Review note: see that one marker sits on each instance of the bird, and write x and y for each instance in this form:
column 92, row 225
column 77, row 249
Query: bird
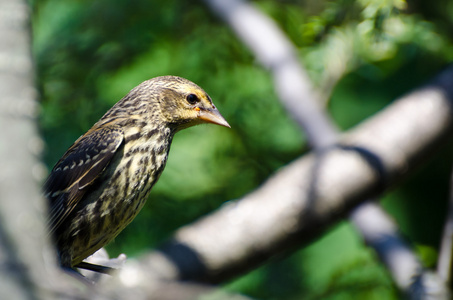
column 103, row 180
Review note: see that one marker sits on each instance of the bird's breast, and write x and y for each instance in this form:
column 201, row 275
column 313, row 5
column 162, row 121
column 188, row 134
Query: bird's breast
column 140, row 165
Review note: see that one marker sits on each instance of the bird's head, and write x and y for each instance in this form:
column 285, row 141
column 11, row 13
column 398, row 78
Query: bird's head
column 174, row 101
column 182, row 103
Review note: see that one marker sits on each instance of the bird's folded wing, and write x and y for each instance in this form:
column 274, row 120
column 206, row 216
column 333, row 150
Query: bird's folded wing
column 79, row 167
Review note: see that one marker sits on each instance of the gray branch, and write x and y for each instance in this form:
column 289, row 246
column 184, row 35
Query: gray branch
column 302, row 102
column 24, row 253
column 274, row 51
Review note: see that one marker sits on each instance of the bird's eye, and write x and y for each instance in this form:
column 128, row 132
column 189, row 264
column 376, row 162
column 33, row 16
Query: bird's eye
column 192, row 98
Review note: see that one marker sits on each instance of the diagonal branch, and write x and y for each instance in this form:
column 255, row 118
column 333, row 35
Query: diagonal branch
column 275, row 51
column 302, row 102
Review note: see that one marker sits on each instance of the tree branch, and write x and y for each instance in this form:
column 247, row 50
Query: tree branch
column 24, row 251
column 275, row 51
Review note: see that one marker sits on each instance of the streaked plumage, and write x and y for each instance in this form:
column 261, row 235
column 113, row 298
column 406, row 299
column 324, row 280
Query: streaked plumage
column 104, row 178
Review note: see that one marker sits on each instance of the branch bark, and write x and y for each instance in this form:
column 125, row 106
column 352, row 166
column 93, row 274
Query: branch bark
column 302, row 102
column 24, row 253
column 28, row 268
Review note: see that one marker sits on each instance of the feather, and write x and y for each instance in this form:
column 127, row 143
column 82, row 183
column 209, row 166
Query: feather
column 79, row 167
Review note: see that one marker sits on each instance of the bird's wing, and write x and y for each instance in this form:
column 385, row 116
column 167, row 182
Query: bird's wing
column 79, row 167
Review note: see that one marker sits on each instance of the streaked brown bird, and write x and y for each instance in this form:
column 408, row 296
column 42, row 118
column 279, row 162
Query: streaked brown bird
column 103, row 180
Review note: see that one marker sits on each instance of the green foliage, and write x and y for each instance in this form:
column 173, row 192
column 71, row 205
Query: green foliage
column 360, row 54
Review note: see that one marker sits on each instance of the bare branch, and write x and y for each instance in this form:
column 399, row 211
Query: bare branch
column 275, row 52
column 375, row 229
column 25, row 252
column 301, row 100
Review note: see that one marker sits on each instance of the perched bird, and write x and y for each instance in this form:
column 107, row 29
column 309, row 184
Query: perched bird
column 103, row 180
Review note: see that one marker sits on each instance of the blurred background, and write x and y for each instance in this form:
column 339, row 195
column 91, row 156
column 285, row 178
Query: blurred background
column 360, row 54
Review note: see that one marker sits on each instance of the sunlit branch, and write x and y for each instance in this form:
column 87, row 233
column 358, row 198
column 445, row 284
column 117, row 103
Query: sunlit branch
column 275, row 51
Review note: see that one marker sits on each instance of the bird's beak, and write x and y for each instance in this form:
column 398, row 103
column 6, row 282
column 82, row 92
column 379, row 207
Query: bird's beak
column 213, row 116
